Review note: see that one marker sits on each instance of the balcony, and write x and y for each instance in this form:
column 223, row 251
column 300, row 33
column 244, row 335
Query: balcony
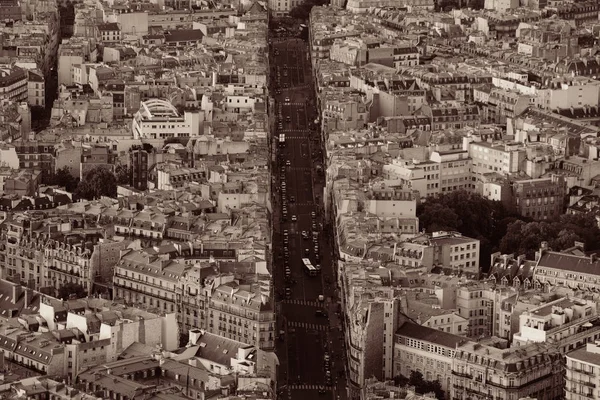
column 462, row 374
column 581, row 371
column 581, row 382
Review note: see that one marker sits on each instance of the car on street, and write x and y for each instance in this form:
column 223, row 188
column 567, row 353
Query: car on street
column 287, row 99
column 321, row 313
column 321, row 298
column 288, row 163
column 294, row 219
column 292, row 199
column 288, row 292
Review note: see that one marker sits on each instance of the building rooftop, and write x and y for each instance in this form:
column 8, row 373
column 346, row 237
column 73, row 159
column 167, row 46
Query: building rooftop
column 435, row 336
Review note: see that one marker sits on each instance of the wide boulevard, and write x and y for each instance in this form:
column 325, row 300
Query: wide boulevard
column 310, row 344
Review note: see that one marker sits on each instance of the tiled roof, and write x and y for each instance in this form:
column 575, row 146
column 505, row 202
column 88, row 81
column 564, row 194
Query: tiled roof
column 568, row 262
column 419, row 332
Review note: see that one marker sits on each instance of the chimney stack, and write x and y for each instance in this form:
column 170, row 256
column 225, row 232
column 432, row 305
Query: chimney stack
column 16, row 293
column 28, row 297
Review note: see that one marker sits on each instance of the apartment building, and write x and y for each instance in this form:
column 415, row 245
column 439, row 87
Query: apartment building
column 556, row 269
column 424, row 177
column 201, row 298
column 454, row 116
column 426, row 350
column 36, row 89
column 541, row 198
column 151, row 280
column 449, row 250
column 476, row 304
column 554, row 321
column 455, row 170
column 109, row 33
column 343, row 112
column 532, row 371
column 42, row 251
column 428, row 309
column 81, row 258
column 138, row 168
column 488, row 157
column 582, row 372
column 245, row 314
column 37, row 351
column 37, row 155
column 13, row 84
column 96, row 331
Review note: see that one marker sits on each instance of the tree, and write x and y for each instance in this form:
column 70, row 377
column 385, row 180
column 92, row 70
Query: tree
column 96, row 183
column 122, row 174
column 416, row 379
column 468, row 213
column 421, row 385
column 63, row 178
column 526, row 237
column 71, row 290
column 302, row 10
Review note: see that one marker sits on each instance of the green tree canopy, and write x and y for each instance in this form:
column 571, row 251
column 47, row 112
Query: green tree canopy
column 122, row 174
column 468, row 213
column 63, row 178
column 96, row 183
column 302, row 10
column 525, row 237
column 71, row 290
column 421, row 385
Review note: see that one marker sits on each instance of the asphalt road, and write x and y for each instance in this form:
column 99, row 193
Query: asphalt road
column 309, row 347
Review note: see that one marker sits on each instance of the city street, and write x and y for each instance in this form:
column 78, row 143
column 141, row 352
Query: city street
column 309, row 348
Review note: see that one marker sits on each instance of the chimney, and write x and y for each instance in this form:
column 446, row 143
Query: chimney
column 16, row 293
column 28, row 297
column 593, row 257
column 579, row 245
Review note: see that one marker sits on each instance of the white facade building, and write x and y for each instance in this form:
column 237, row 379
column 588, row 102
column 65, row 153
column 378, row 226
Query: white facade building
column 159, row 119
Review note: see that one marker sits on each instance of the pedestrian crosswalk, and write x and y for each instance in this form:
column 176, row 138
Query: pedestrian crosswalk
column 294, row 104
column 308, row 303
column 297, row 137
column 307, row 326
column 309, row 387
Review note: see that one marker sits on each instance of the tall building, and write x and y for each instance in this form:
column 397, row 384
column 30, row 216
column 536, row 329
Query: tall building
column 481, row 371
column 373, row 320
column 201, row 297
column 44, row 251
column 138, row 168
column 583, row 372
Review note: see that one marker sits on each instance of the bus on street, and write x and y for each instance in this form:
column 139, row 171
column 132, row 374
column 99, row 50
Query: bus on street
column 311, row 270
